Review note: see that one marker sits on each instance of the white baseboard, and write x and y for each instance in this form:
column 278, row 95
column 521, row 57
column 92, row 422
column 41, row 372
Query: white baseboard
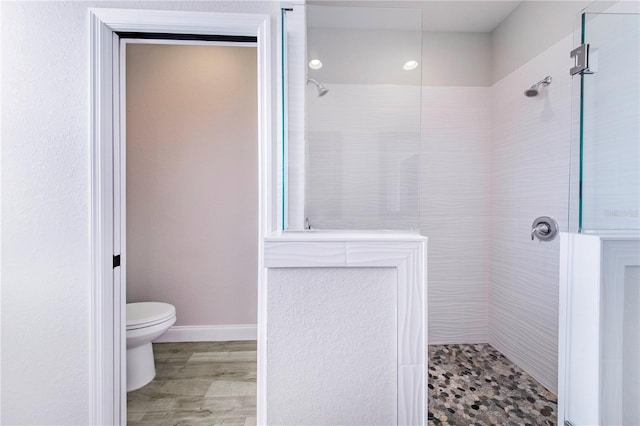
column 209, row 333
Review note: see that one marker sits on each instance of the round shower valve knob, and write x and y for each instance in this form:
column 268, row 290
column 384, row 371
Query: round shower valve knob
column 544, row 228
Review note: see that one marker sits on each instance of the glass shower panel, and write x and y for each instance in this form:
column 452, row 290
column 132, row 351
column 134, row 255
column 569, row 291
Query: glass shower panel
column 610, row 142
column 363, row 118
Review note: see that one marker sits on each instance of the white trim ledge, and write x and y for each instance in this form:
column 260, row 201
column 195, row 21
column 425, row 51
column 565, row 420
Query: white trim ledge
column 404, row 251
column 209, row 333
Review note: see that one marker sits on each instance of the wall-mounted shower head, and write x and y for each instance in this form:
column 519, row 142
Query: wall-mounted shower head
column 535, row 89
column 321, row 89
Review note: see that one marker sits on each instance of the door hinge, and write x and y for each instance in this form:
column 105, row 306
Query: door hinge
column 116, row 261
column 581, row 55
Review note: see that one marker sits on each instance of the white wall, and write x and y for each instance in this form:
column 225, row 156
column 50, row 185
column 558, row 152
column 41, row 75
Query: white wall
column 45, row 204
column 192, row 180
column 454, row 183
column 351, row 314
column 454, row 210
column 530, row 139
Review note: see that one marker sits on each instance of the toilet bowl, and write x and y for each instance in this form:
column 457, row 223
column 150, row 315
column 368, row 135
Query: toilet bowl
column 146, row 321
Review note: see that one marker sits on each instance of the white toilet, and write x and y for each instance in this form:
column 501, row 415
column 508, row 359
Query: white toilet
column 146, row 321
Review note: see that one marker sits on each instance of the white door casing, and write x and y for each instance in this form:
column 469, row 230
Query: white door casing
column 108, row 356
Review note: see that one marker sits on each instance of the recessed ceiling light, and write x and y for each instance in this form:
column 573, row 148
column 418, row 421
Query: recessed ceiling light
column 410, row 65
column 315, row 64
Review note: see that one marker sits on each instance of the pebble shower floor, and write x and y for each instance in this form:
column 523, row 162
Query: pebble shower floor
column 477, row 385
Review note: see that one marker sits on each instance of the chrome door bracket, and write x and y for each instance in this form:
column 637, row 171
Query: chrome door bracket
column 581, row 55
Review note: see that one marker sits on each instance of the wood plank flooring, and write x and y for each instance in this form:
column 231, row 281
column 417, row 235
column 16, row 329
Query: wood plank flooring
column 201, row 383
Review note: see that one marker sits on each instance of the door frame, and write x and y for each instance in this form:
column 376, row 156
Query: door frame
column 107, row 352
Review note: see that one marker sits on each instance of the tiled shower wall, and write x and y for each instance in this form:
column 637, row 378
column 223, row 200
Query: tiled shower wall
column 529, row 178
column 454, row 210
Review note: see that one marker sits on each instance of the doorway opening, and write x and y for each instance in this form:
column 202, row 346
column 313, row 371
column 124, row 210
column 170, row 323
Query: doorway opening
column 189, row 217
column 113, row 32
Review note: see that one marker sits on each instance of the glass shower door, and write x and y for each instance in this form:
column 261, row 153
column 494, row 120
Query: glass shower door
column 603, row 297
column 610, row 174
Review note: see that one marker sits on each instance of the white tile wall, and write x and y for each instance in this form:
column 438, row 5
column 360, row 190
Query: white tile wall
column 454, row 210
column 530, row 141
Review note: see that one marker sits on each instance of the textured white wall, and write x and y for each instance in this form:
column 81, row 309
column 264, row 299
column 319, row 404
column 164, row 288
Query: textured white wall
column 530, row 139
column 332, row 346
column 45, row 204
column 454, row 210
column 192, row 180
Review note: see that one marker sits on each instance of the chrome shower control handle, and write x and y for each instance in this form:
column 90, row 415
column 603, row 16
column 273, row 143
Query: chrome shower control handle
column 544, row 228
column 541, row 229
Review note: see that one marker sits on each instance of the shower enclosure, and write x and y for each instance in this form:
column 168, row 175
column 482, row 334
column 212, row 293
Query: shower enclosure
column 600, row 294
column 351, row 132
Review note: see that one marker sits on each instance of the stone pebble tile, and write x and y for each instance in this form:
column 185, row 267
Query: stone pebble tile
column 477, row 385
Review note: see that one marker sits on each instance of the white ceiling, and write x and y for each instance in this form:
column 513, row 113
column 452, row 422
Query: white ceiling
column 451, row 15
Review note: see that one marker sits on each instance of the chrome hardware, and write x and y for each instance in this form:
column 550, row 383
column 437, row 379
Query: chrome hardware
column 581, row 53
column 544, row 228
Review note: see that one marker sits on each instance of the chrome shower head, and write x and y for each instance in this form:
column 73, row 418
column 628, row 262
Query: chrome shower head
column 321, row 89
column 535, row 89
column 532, row 91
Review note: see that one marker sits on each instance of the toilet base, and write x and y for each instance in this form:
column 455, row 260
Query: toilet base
column 141, row 368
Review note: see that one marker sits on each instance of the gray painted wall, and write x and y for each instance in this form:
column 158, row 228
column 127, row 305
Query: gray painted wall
column 446, row 58
column 456, row 59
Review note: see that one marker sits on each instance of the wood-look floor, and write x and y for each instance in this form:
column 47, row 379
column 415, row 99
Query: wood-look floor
column 201, row 383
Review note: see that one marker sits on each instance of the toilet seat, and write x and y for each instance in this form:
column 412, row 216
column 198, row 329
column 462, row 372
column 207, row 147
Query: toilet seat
column 148, row 314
